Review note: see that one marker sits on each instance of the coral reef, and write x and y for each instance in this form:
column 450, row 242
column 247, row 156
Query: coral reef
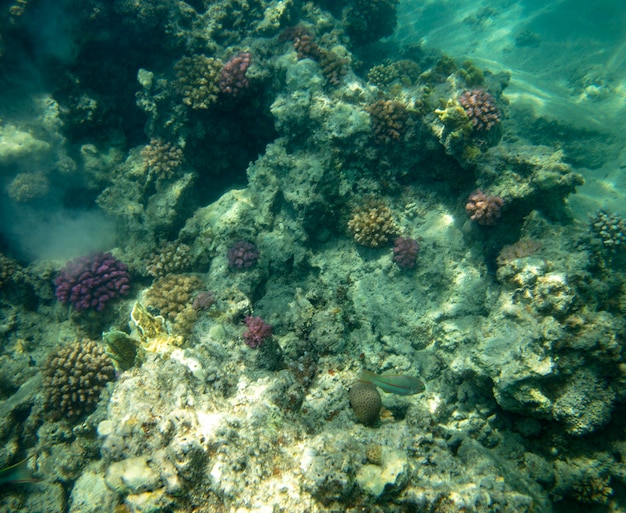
column 481, row 109
column 405, row 251
column 515, row 332
column 484, row 209
column 233, row 78
column 74, row 377
column 372, row 224
column 242, row 255
column 90, row 282
column 257, row 331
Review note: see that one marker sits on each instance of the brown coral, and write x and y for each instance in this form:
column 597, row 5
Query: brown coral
column 197, row 79
column 172, row 258
column 162, row 159
column 28, row 186
column 334, row 67
column 73, row 378
column 172, row 293
column 389, row 120
column 303, row 42
column 366, row 402
column 372, row 224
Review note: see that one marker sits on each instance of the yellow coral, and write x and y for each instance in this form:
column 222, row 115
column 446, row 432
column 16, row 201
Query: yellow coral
column 372, row 224
column 197, row 80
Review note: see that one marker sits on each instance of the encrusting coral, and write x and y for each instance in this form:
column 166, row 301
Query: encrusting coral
column 73, row 378
column 372, row 224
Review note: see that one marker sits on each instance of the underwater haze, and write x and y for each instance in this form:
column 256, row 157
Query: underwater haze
column 312, row 256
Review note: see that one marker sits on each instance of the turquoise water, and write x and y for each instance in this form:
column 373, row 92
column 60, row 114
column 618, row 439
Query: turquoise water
column 312, row 257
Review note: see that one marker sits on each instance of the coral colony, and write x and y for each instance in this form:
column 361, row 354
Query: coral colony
column 90, row 282
column 257, row 331
column 233, row 76
column 484, row 209
column 405, row 252
column 242, row 255
column 481, row 109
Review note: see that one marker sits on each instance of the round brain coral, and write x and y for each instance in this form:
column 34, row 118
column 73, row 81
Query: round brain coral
column 73, row 378
column 366, row 402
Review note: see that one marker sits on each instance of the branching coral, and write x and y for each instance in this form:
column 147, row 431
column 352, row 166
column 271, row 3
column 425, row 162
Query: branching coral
column 173, row 258
column 242, row 255
column 73, row 378
column 257, row 330
column 162, row 159
column 197, row 80
column 172, row 293
column 334, row 67
column 233, row 78
column 90, row 282
column 611, row 229
column 481, row 109
column 372, row 224
column 405, row 252
column 389, row 120
column 484, row 209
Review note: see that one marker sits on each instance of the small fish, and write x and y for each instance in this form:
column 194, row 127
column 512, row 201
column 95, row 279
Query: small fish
column 393, row 383
column 16, row 474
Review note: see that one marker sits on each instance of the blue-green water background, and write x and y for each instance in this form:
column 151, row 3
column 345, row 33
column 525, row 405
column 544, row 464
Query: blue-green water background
column 567, row 60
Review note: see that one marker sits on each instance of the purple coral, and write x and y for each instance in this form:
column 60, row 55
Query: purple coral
column 481, row 109
column 405, row 252
column 484, row 209
column 203, row 301
column 257, row 331
column 233, row 76
column 242, row 255
column 90, row 282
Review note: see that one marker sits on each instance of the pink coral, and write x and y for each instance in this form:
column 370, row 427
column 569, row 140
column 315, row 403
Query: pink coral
column 257, row 331
column 405, row 252
column 481, row 109
column 484, row 209
column 233, row 76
